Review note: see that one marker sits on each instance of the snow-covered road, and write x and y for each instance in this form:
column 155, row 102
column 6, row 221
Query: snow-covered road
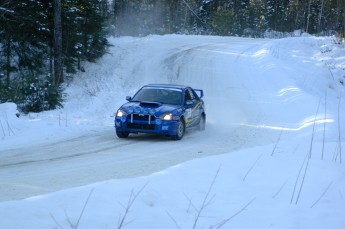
column 100, row 156
column 242, row 112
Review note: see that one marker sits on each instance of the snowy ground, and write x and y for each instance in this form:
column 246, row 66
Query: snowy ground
column 271, row 156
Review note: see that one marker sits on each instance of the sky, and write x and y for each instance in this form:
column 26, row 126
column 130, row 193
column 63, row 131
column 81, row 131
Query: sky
column 271, row 155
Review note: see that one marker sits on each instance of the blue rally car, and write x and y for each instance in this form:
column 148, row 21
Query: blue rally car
column 162, row 109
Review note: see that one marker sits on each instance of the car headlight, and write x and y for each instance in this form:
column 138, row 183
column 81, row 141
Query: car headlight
column 120, row 113
column 167, row 117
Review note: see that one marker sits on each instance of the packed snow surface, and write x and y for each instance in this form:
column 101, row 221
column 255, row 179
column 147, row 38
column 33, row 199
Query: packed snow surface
column 270, row 157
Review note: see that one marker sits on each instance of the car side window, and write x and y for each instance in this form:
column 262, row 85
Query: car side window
column 187, row 96
column 195, row 95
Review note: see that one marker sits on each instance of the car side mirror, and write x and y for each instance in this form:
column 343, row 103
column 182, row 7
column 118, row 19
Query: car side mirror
column 128, row 98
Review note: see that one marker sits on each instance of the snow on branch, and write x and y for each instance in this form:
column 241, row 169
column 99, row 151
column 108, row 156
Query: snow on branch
column 6, row 10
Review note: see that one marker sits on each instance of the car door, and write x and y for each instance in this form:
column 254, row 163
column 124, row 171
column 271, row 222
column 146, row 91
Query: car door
column 192, row 107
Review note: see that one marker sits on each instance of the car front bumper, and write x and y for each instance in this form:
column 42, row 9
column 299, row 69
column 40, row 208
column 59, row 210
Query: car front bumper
column 157, row 126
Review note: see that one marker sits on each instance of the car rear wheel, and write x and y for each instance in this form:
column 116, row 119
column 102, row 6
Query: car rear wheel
column 202, row 123
column 122, row 134
column 180, row 130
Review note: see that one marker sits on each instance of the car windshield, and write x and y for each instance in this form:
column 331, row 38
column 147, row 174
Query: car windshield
column 161, row 95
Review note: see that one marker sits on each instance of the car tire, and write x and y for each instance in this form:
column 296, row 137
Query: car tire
column 122, row 134
column 202, row 123
column 180, row 130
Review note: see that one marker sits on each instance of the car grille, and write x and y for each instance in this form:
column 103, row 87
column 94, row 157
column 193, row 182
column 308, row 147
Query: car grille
column 139, row 126
column 141, row 117
column 141, row 121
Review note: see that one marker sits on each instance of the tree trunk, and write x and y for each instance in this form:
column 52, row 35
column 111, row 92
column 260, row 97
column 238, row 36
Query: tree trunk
column 343, row 8
column 320, row 15
column 8, row 61
column 308, row 16
column 51, row 59
column 58, row 62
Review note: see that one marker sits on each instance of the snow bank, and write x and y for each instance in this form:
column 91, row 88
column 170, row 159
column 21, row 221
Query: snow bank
column 230, row 189
column 9, row 119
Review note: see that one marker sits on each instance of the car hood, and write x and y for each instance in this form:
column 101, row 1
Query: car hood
column 152, row 108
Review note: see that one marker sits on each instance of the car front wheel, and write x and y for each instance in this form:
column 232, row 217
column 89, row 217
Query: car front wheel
column 180, row 130
column 122, row 134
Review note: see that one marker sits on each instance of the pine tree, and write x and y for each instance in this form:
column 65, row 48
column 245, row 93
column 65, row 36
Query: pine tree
column 26, row 47
column 84, row 32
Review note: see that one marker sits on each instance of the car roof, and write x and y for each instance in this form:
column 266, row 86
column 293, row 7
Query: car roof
column 175, row 86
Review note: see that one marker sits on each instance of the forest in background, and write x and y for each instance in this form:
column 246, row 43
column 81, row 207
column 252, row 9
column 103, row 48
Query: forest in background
column 33, row 38
column 228, row 17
